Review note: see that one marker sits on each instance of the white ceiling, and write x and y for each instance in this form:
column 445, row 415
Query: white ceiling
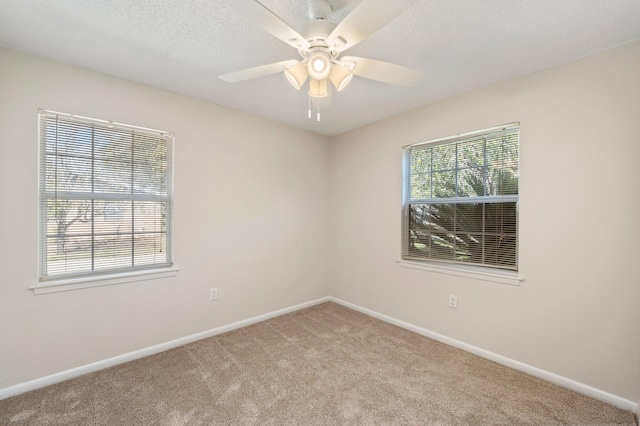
column 183, row 45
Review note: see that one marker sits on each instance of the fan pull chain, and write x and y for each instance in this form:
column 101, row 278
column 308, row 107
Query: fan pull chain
column 318, row 92
column 317, row 100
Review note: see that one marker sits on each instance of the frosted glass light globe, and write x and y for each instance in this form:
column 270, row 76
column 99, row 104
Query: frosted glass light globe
column 319, row 65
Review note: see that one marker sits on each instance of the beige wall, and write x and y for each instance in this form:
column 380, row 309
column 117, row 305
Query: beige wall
column 254, row 218
column 576, row 314
column 251, row 218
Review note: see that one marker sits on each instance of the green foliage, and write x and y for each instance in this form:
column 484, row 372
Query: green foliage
column 478, row 232
column 86, row 159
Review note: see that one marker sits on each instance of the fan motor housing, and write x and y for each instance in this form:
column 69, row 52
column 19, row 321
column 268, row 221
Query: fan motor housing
column 316, row 32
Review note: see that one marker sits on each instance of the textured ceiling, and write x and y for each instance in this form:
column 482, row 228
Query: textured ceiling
column 182, row 46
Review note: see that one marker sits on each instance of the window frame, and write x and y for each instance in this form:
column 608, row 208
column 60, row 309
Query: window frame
column 69, row 281
column 486, row 272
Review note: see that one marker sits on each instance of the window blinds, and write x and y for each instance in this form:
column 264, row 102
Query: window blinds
column 105, row 197
column 460, row 201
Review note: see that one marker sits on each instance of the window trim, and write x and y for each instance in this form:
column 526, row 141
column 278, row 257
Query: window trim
column 76, row 283
column 57, row 283
column 474, row 271
column 482, row 273
column 461, row 136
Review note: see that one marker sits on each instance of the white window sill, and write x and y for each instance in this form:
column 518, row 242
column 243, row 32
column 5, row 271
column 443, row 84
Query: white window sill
column 66, row 284
column 506, row 277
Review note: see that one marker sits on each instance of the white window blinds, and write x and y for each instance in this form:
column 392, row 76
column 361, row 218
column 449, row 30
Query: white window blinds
column 105, row 197
column 460, row 199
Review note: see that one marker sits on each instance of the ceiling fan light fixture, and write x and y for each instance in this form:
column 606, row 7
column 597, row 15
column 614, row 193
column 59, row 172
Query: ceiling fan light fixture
column 321, row 42
column 297, row 75
column 318, row 88
column 319, row 65
column 340, row 76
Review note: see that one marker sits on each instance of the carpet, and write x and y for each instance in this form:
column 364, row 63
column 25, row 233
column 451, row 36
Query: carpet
column 324, row 365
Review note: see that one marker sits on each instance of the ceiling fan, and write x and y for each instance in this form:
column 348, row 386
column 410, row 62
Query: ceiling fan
column 320, row 44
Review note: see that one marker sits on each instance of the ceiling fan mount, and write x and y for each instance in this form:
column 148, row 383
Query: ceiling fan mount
column 315, row 32
column 320, row 44
column 320, row 9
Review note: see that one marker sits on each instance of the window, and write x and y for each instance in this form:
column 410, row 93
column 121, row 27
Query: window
column 460, row 201
column 105, row 197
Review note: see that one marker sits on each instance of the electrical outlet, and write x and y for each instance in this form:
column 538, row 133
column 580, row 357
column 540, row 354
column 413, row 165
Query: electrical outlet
column 453, row 301
column 213, row 294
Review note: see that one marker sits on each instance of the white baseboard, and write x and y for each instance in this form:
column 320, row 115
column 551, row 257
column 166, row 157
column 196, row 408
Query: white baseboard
column 100, row 365
column 564, row 382
column 525, row 368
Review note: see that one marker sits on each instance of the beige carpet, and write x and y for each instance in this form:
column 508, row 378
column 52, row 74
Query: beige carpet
column 325, row 365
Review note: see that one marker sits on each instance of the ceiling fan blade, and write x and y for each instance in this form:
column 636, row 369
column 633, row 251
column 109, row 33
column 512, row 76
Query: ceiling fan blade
column 255, row 72
column 382, row 71
column 262, row 17
column 367, row 18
